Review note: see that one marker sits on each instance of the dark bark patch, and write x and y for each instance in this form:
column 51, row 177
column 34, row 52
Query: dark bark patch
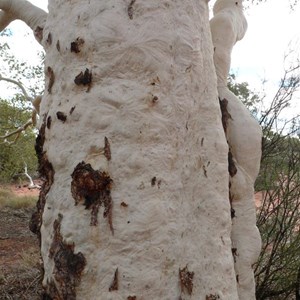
column 107, row 152
column 123, row 204
column 76, row 45
column 38, row 33
column 68, row 266
column 237, row 278
column 159, row 183
column 154, row 99
column 232, row 213
column 204, row 170
column 225, row 114
column 130, row 9
column 58, row 46
column 186, row 280
column 40, row 140
column 49, row 39
column 72, row 109
column 153, row 181
column 46, row 172
column 84, row 78
column 212, row 297
column 51, row 76
column 131, row 298
column 49, row 120
column 45, row 296
column 61, row 116
column 231, row 165
column 115, row 282
column 231, row 197
column 234, row 254
column 92, row 188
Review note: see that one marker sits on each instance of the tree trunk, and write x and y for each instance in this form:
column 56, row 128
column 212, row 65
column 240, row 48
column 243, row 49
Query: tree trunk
column 135, row 200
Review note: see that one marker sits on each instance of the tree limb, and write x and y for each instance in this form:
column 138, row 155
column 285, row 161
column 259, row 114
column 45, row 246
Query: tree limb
column 17, row 132
column 23, row 10
column 19, row 84
column 32, row 121
column 32, row 185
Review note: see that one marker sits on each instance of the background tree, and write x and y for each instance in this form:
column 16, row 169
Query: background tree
column 278, row 185
column 14, row 155
column 25, row 82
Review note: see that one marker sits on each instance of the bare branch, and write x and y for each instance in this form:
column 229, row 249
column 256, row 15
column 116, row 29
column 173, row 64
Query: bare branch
column 19, row 84
column 16, row 132
column 32, row 185
column 23, row 10
column 32, row 121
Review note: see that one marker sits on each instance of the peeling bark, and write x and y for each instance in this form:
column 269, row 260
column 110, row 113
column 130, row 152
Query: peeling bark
column 92, row 189
column 68, row 266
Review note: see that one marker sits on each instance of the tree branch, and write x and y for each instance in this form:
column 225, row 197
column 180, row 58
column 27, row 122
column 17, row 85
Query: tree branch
column 17, row 132
column 23, row 10
column 32, row 185
column 32, row 121
column 19, row 84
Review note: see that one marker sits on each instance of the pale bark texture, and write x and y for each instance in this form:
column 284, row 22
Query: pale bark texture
column 244, row 136
column 135, row 202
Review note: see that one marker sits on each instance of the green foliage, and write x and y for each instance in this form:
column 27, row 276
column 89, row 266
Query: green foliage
column 14, row 155
column 278, row 220
column 16, row 110
column 242, row 91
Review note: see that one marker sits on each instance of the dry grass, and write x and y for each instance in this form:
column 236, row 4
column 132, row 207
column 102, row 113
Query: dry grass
column 8, row 199
column 22, row 283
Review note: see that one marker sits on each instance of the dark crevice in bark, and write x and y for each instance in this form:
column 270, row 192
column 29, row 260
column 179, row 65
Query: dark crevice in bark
column 231, row 165
column 115, row 283
column 232, row 170
column 92, row 188
column 107, row 152
column 46, row 172
column 130, row 9
column 51, row 76
column 225, row 114
column 212, row 297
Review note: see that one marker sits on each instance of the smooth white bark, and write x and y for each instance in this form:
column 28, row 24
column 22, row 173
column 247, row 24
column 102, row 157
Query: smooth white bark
column 23, row 10
column 244, row 139
column 150, row 99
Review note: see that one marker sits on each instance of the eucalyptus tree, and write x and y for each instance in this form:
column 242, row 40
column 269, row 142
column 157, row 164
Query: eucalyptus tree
column 135, row 202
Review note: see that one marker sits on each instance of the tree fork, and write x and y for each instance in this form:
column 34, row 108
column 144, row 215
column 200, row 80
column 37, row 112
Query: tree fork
column 22, row 10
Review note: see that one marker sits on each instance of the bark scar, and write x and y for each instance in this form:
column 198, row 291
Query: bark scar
column 68, row 266
column 130, row 9
column 186, row 280
column 92, row 188
column 225, row 114
column 115, row 283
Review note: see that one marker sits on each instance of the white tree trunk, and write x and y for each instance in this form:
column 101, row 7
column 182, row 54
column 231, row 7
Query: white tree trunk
column 243, row 135
column 131, row 126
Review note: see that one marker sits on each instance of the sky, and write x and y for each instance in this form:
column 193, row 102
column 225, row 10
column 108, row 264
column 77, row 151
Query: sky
column 273, row 31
